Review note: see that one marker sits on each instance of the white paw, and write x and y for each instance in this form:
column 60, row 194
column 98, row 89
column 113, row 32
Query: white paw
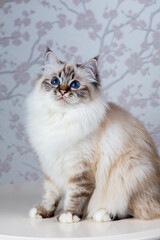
column 68, row 218
column 33, row 213
column 101, row 216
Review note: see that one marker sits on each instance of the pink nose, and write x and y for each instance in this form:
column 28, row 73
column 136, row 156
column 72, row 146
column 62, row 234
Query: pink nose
column 62, row 92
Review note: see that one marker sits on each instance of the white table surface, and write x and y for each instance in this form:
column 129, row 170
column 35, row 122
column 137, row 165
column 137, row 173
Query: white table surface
column 16, row 200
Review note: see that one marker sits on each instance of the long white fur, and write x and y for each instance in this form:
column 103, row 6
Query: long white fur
column 62, row 128
column 63, row 134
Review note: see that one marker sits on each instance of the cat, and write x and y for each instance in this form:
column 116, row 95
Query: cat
column 95, row 155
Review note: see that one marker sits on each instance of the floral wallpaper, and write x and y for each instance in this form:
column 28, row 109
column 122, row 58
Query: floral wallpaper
column 126, row 34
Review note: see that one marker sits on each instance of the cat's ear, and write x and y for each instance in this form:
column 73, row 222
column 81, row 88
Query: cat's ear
column 90, row 68
column 51, row 58
column 51, row 61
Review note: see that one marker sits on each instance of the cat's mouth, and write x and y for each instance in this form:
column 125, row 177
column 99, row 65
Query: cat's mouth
column 62, row 99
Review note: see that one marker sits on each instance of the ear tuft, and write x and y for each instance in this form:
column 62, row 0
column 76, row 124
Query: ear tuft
column 92, row 65
column 96, row 58
column 90, row 68
column 48, row 50
column 51, row 62
column 51, row 58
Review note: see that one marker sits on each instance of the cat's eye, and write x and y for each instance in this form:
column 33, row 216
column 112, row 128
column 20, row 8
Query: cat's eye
column 75, row 84
column 55, row 81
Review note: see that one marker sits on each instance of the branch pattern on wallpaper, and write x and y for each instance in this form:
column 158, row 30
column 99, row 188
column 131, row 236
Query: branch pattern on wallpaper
column 126, row 34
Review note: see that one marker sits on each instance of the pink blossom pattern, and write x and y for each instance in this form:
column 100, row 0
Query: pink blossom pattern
column 134, row 63
column 126, row 35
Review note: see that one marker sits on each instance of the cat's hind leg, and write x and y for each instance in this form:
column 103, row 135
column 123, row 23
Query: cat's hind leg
column 102, row 215
column 49, row 202
column 132, row 189
column 114, row 188
column 146, row 206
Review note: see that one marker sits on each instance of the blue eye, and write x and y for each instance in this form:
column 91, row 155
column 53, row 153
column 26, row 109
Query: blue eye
column 55, row 81
column 75, row 84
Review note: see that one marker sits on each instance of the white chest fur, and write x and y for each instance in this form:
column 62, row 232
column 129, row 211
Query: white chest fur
column 60, row 135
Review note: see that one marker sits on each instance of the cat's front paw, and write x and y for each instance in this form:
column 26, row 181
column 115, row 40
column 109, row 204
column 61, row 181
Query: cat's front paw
column 33, row 213
column 101, row 216
column 68, row 217
column 40, row 212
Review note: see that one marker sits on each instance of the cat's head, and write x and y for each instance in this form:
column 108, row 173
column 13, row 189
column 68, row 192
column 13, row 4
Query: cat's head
column 70, row 83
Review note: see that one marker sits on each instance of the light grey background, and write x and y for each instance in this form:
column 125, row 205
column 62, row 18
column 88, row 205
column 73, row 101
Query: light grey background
column 126, row 33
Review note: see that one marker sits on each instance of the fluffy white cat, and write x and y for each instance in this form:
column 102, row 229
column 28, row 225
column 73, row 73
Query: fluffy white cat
column 94, row 155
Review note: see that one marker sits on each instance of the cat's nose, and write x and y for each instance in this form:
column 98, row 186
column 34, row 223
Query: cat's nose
column 62, row 92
